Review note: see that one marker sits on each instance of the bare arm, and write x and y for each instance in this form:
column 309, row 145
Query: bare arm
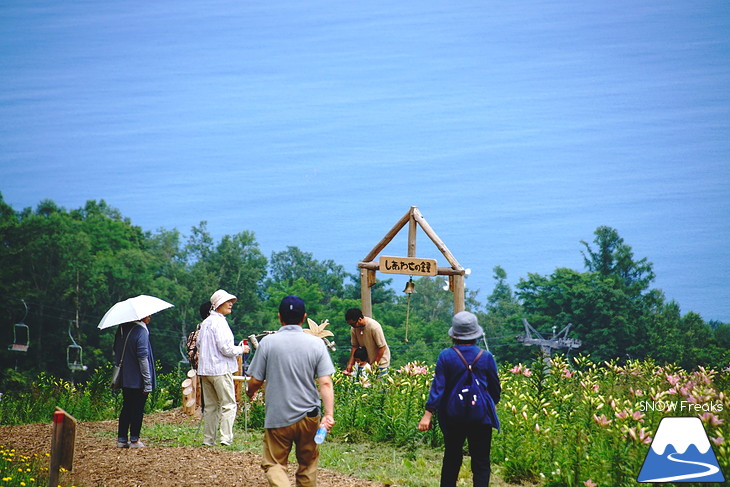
column 351, row 362
column 253, row 386
column 379, row 355
column 326, row 390
column 425, row 423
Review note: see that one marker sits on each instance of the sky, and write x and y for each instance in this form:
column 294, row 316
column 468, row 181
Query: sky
column 516, row 129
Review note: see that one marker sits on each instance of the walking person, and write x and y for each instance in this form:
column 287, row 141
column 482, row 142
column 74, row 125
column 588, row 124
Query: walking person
column 216, row 364
column 289, row 361
column 450, row 368
column 132, row 346
column 368, row 333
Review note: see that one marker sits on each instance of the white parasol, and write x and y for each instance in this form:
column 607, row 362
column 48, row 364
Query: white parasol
column 133, row 309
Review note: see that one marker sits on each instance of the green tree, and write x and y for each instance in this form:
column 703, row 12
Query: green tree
column 686, row 340
column 598, row 308
column 503, row 321
column 235, row 264
column 54, row 258
column 613, row 258
column 611, row 306
column 321, row 284
column 287, row 266
column 240, row 265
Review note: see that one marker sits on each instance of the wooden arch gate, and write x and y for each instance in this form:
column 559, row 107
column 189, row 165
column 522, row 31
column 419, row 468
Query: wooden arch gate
column 410, row 265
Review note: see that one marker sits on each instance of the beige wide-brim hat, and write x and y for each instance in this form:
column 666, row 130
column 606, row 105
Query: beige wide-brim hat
column 219, row 297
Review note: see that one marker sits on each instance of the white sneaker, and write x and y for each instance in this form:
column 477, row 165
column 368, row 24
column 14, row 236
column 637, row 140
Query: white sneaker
column 225, row 443
column 136, row 444
column 122, row 444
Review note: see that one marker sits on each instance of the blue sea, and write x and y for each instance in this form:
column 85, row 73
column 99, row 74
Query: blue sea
column 517, row 129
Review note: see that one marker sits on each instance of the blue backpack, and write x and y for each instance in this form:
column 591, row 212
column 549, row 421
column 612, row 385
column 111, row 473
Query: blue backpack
column 468, row 401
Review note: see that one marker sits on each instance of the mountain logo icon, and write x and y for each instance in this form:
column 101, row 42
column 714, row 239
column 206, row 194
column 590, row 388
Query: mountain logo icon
column 680, row 452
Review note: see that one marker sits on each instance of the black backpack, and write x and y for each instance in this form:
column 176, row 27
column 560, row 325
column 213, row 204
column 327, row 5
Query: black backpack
column 192, row 348
column 468, row 401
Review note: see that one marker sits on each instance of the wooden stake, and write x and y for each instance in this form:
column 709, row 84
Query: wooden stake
column 62, row 445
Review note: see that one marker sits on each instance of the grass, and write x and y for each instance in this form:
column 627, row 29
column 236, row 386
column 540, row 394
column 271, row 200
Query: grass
column 413, row 467
column 18, row 470
column 579, row 422
column 419, row 467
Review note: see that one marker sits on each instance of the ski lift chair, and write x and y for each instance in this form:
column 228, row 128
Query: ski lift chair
column 75, row 358
column 75, row 355
column 184, row 350
column 21, row 334
column 21, row 338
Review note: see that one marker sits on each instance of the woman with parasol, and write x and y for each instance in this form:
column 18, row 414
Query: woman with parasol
column 133, row 351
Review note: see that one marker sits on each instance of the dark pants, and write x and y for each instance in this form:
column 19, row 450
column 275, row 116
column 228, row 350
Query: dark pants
column 130, row 418
column 480, row 445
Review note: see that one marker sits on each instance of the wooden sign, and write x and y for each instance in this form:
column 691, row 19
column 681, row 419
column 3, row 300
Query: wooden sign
column 408, row 265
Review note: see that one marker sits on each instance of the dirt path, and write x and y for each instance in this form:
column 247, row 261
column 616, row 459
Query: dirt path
column 97, row 463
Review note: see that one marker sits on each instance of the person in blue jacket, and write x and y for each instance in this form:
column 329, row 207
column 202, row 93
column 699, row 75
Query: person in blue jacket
column 464, row 331
column 138, row 379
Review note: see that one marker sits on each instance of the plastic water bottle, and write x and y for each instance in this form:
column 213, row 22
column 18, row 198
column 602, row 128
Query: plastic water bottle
column 320, row 436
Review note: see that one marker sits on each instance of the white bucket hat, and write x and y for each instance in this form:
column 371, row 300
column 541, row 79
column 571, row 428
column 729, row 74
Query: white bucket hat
column 219, row 297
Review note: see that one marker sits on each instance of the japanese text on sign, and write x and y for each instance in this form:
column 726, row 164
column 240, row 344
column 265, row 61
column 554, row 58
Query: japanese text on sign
column 407, row 265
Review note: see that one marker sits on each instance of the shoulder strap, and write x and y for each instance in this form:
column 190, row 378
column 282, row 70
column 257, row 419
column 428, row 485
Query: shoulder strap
column 481, row 351
column 466, row 364
column 121, row 357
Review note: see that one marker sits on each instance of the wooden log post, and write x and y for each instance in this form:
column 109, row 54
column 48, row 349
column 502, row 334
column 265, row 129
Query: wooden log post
column 240, row 380
column 459, row 292
column 198, row 391
column 237, row 383
column 62, row 445
column 188, row 397
column 413, row 218
column 191, row 394
column 367, row 280
column 240, row 384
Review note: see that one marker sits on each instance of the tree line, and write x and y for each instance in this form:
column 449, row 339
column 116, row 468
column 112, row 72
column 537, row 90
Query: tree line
column 69, row 266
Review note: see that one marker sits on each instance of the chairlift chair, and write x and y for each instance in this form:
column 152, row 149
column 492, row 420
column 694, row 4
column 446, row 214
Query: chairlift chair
column 184, row 350
column 75, row 358
column 21, row 338
column 75, row 354
column 21, row 334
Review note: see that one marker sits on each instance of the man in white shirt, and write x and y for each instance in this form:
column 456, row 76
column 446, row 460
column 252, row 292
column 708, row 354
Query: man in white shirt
column 216, row 365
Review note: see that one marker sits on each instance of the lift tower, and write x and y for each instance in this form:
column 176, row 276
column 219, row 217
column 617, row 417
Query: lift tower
column 547, row 345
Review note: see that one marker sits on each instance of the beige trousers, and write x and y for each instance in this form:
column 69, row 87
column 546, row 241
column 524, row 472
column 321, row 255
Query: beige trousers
column 277, row 445
column 220, row 407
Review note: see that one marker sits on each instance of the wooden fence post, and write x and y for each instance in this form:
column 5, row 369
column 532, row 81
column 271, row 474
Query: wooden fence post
column 62, row 445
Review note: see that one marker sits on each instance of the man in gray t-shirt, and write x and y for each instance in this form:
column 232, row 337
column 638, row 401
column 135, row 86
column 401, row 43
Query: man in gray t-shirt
column 291, row 363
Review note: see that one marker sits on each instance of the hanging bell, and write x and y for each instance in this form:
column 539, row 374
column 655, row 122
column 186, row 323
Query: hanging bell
column 410, row 287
